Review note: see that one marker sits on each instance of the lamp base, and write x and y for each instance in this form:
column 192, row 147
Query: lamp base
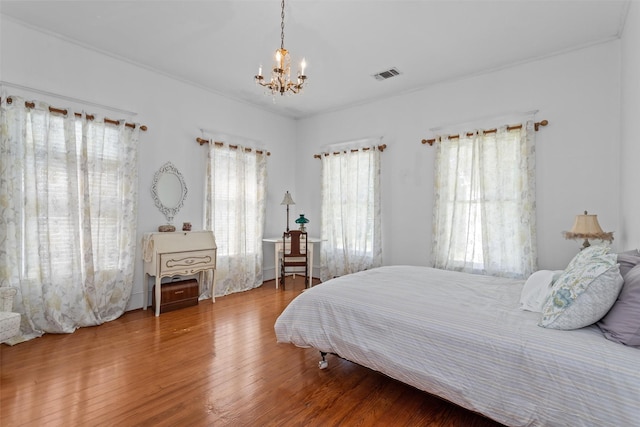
column 585, row 244
column 287, row 218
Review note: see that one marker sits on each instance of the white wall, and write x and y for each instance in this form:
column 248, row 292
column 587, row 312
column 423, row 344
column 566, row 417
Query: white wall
column 173, row 111
column 578, row 154
column 630, row 147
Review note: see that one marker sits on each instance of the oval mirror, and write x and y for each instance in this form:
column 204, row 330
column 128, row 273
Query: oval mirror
column 168, row 190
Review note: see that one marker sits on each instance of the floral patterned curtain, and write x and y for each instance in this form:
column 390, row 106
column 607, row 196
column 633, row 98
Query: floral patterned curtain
column 350, row 217
column 484, row 216
column 235, row 194
column 68, row 213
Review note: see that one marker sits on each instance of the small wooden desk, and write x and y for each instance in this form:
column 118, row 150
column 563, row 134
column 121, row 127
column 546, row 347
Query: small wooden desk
column 277, row 241
column 177, row 253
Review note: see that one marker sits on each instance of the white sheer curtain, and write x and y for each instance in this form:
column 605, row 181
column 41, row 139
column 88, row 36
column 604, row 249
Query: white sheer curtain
column 68, row 190
column 350, row 217
column 484, row 216
column 235, row 192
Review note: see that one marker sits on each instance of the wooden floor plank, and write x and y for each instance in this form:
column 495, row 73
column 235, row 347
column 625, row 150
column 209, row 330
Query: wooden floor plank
column 211, row 364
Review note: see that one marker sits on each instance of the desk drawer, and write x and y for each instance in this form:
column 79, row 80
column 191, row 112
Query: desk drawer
column 186, row 263
column 176, row 295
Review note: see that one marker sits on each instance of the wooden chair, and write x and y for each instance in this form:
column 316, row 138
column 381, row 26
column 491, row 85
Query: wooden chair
column 294, row 255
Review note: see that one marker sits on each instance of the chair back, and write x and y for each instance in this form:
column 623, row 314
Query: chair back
column 294, row 254
column 295, row 249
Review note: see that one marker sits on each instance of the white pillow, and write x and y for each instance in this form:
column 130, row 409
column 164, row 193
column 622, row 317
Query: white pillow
column 536, row 290
column 583, row 294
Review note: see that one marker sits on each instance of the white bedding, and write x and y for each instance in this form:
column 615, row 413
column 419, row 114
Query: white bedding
column 463, row 337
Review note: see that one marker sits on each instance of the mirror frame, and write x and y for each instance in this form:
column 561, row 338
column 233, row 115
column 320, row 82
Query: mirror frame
column 168, row 212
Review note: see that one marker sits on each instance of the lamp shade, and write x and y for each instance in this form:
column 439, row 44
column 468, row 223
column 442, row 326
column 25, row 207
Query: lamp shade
column 287, row 199
column 302, row 220
column 586, row 225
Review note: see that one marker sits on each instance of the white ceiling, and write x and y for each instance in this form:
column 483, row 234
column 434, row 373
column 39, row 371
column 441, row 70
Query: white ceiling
column 218, row 45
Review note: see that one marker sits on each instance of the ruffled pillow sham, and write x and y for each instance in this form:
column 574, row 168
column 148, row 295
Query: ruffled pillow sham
column 583, row 293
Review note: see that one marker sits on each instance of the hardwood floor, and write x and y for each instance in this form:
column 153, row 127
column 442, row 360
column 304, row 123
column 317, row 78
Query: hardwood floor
column 212, row 364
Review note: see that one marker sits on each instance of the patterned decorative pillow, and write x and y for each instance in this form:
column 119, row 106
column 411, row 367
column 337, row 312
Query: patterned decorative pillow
column 582, row 295
column 586, row 254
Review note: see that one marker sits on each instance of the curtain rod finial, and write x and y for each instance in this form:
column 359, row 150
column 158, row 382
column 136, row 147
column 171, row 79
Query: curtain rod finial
column 541, row 123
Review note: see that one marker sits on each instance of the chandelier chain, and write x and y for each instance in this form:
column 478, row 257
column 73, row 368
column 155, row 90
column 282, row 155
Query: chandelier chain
column 282, row 27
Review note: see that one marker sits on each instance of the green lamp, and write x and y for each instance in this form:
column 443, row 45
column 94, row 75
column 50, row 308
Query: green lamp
column 302, row 221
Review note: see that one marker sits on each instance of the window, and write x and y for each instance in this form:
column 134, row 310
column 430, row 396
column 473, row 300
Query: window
column 236, row 214
column 55, row 200
column 234, row 211
column 484, row 219
column 350, row 212
column 69, row 192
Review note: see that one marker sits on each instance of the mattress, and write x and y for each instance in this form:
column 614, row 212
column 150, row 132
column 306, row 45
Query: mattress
column 462, row 337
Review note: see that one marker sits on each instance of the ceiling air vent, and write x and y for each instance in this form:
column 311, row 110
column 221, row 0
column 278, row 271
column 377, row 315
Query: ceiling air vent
column 387, row 74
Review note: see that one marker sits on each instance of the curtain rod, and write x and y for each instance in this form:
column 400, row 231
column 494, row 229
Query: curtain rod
column 203, row 141
column 88, row 116
column 485, row 132
column 379, row 147
column 68, row 98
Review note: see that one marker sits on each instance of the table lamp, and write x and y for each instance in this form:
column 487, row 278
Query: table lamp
column 287, row 201
column 586, row 227
column 302, row 221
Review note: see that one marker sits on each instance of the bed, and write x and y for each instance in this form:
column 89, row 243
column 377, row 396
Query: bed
column 464, row 338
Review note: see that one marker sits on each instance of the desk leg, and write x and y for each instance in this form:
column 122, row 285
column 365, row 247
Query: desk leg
column 276, row 256
column 145, row 292
column 158, row 290
column 310, row 262
column 213, row 284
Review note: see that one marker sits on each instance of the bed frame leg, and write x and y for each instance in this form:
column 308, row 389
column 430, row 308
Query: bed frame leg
column 323, row 364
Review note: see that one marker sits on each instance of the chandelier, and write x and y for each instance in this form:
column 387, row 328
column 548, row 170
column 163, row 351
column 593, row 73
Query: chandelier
column 280, row 81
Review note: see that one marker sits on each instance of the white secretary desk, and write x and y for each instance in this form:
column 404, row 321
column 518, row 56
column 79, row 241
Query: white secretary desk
column 184, row 253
